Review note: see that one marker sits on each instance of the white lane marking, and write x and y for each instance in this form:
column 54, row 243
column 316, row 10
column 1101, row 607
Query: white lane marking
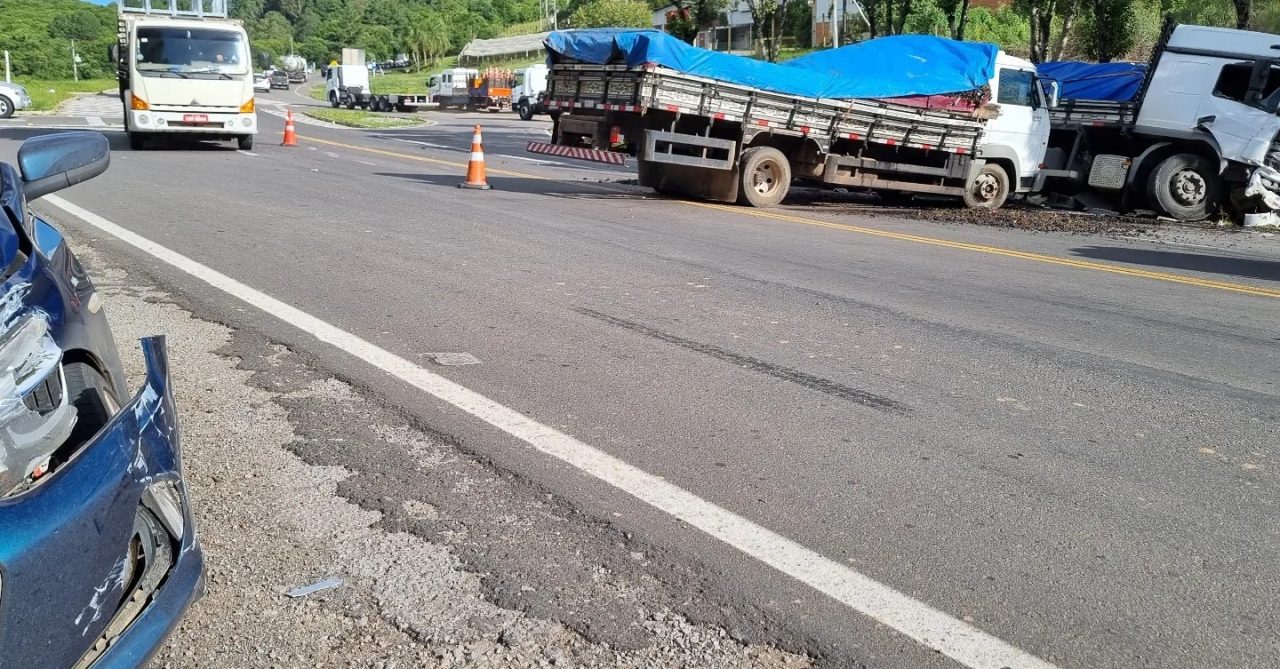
column 365, row 162
column 247, row 153
column 95, row 121
column 930, row 627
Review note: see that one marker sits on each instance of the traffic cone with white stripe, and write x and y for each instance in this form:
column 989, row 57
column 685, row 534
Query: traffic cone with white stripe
column 475, row 167
column 290, row 135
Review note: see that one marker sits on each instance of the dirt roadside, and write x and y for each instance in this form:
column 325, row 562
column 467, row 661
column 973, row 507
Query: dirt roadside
column 270, row 522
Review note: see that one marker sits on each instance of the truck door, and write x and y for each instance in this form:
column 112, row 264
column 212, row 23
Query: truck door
column 1023, row 124
column 1243, row 102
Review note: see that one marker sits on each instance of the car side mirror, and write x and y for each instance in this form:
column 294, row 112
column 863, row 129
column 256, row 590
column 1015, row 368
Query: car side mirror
column 50, row 163
column 1055, row 94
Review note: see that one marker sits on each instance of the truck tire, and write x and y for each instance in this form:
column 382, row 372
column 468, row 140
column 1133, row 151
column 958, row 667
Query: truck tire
column 6, row 107
column 988, row 189
column 333, row 99
column 525, row 110
column 244, row 142
column 766, row 177
column 351, row 103
column 1185, row 186
column 95, row 402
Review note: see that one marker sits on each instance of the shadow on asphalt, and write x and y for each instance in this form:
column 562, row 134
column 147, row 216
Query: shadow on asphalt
column 119, row 141
column 1268, row 270
column 561, row 189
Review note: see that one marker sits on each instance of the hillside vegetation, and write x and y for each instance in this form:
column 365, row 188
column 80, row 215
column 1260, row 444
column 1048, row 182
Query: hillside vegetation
column 39, row 33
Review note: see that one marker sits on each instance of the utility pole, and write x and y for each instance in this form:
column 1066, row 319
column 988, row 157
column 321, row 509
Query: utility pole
column 835, row 24
column 75, row 62
column 8, row 75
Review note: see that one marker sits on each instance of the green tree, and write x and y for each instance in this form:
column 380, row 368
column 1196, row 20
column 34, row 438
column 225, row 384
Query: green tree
column 1107, row 32
column 957, row 13
column 612, row 13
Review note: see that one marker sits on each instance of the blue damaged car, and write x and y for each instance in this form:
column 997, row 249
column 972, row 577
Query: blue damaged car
column 98, row 552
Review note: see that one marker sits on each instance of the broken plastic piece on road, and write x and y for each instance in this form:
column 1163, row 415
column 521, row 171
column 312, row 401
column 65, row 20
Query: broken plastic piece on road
column 328, row 583
column 454, row 359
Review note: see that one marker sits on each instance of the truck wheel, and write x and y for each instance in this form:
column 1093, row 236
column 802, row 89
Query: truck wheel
column 244, row 142
column 333, row 99
column 137, row 141
column 525, row 110
column 351, row 103
column 6, row 107
column 988, row 189
column 766, row 177
column 1185, row 187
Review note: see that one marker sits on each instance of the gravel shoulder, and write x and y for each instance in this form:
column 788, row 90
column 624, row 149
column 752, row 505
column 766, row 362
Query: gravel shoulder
column 289, row 470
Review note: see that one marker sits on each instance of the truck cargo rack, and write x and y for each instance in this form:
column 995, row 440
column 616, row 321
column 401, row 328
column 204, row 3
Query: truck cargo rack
column 1073, row 114
column 198, row 9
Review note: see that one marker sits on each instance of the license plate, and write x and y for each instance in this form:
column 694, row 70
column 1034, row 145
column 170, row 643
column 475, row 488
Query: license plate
column 195, row 118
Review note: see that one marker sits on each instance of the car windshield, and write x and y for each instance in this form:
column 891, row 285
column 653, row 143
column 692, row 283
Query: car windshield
column 191, row 51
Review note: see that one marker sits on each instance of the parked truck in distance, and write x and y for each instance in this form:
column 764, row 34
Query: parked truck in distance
column 1189, row 133
column 347, row 83
column 184, row 71
column 530, row 91
column 734, row 142
column 468, row 88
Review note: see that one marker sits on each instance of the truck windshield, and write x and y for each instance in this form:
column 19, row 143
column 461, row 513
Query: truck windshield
column 191, row 51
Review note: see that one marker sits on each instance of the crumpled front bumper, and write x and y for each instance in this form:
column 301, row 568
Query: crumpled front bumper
column 1264, row 191
column 65, row 545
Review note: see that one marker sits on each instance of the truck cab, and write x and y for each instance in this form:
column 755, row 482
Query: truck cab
column 1016, row 139
column 531, row 86
column 348, row 85
column 450, row 86
column 184, row 72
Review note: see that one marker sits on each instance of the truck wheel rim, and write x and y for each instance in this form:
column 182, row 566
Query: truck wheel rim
column 765, row 179
column 986, row 187
column 1188, row 187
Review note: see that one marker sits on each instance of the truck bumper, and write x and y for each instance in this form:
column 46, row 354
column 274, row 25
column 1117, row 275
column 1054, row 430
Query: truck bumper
column 201, row 123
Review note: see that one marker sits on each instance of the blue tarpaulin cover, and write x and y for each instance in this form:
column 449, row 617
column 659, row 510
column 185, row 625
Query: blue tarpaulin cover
column 1113, row 82
column 888, row 67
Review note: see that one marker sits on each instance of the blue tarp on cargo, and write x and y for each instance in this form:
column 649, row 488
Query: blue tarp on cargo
column 882, row 68
column 1113, row 82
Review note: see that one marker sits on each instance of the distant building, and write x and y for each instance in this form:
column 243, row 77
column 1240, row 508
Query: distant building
column 732, row 32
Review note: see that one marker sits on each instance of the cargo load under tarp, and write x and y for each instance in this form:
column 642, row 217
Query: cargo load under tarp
column 1110, row 82
column 889, row 67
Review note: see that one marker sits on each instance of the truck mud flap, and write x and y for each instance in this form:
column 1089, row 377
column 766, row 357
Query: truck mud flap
column 708, row 148
column 577, row 152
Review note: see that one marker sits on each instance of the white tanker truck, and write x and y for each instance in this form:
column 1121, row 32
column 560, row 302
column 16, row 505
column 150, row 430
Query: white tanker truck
column 296, row 67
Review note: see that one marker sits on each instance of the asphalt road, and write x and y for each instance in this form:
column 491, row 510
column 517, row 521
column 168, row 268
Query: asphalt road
column 1065, row 441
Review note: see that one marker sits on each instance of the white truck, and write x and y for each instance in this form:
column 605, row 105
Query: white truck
column 295, row 67
column 450, row 87
column 531, row 88
column 184, row 71
column 734, row 143
column 347, row 83
column 1201, row 131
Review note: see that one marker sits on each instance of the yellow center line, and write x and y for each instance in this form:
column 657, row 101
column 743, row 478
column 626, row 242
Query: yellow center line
column 901, row 236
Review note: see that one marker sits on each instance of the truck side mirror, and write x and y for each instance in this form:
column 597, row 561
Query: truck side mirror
column 1055, row 94
column 113, row 53
column 50, row 163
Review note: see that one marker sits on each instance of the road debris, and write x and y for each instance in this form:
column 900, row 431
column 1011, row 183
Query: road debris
column 326, row 584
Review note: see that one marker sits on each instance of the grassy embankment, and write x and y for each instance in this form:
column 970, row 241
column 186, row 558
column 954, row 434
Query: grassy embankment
column 47, row 94
column 358, row 118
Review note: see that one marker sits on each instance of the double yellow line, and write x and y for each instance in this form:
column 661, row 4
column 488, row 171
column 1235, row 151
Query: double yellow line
column 901, row 236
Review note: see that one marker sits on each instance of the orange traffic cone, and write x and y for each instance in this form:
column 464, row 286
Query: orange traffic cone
column 290, row 137
column 475, row 167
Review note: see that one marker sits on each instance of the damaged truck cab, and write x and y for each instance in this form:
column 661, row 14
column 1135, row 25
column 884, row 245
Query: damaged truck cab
column 1195, row 129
